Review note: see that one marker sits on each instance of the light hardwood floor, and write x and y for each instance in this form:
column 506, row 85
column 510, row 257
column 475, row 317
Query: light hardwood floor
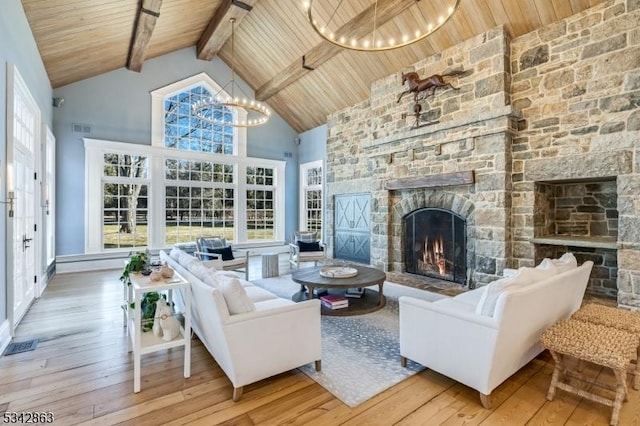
column 81, row 372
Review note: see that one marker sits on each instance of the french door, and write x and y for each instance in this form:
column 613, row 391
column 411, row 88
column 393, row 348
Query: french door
column 23, row 133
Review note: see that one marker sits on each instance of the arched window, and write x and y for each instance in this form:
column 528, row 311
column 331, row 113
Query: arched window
column 185, row 130
column 195, row 180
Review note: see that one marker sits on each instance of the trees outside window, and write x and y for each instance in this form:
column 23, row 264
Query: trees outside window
column 260, row 203
column 125, row 201
column 311, row 196
column 194, row 180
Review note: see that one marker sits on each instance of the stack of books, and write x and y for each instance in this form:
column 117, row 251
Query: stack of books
column 319, row 291
column 355, row 292
column 333, row 301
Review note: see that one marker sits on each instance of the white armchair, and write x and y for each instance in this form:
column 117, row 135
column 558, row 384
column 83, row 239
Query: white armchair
column 225, row 258
column 482, row 351
column 305, row 247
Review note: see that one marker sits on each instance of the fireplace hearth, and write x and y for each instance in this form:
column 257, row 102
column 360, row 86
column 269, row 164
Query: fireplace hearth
column 435, row 244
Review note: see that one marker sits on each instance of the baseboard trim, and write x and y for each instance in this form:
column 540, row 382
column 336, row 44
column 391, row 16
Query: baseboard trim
column 5, row 335
column 101, row 261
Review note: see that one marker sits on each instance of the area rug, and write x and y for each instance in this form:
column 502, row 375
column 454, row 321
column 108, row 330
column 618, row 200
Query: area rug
column 360, row 354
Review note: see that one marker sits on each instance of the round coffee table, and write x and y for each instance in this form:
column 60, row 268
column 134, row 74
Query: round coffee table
column 370, row 301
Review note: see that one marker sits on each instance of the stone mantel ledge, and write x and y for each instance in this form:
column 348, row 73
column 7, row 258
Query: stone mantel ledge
column 507, row 111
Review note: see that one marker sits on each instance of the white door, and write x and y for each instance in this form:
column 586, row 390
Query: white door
column 47, row 251
column 23, row 124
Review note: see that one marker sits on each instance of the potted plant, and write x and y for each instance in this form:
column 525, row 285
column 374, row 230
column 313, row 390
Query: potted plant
column 148, row 308
column 137, row 263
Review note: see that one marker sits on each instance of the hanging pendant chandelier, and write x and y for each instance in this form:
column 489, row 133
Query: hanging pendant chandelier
column 252, row 113
column 378, row 25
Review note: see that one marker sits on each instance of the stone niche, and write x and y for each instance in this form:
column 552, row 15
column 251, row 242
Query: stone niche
column 580, row 217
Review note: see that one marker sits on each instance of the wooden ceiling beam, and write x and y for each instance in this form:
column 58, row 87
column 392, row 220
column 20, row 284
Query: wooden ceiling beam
column 219, row 28
column 148, row 14
column 357, row 27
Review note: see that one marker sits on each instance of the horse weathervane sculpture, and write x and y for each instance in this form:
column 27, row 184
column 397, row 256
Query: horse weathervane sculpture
column 417, row 86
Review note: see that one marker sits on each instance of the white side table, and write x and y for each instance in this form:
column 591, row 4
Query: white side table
column 146, row 342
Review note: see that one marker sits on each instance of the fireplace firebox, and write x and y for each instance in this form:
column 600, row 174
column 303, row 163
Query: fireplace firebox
column 435, row 244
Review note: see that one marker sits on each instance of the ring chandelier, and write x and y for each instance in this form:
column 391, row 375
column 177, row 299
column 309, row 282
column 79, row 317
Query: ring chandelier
column 366, row 35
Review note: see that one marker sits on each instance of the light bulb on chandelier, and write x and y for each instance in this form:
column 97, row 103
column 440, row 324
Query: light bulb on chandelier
column 366, row 30
column 208, row 109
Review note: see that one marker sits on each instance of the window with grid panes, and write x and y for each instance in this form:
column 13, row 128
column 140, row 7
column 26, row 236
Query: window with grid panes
column 199, row 200
column 260, row 203
column 125, row 205
column 186, row 131
column 191, row 187
column 312, row 193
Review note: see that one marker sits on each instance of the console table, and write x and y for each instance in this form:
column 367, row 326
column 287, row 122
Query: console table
column 146, row 342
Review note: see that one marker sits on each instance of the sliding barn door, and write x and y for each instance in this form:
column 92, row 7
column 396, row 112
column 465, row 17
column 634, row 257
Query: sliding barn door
column 352, row 240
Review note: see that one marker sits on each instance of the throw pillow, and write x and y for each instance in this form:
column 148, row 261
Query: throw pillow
column 175, row 253
column 225, row 252
column 198, row 269
column 304, row 236
column 235, row 296
column 210, row 242
column 489, row 298
column 566, row 262
column 184, row 258
column 314, row 246
column 211, row 279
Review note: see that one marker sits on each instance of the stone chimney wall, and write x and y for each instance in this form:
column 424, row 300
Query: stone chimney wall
column 577, row 85
column 561, row 103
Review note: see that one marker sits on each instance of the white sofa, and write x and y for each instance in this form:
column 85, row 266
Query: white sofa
column 276, row 336
column 480, row 349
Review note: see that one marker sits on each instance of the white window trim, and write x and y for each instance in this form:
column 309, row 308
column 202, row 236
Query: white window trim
column 304, row 187
column 94, row 154
column 157, row 111
column 49, row 196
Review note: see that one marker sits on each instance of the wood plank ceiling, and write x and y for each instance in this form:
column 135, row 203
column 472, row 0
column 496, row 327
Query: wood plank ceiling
column 79, row 39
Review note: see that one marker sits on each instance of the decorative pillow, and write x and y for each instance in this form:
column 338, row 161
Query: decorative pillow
column 212, row 242
column 211, row 279
column 175, row 253
column 226, row 252
column 235, row 296
column 184, row 258
column 489, row 298
column 198, row 269
column 210, row 264
column 314, row 246
column 192, row 264
column 566, row 262
column 189, row 248
column 304, row 236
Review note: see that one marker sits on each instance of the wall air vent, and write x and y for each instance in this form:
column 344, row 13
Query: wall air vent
column 81, row 128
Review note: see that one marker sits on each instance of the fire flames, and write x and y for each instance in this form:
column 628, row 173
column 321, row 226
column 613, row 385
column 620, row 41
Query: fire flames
column 433, row 254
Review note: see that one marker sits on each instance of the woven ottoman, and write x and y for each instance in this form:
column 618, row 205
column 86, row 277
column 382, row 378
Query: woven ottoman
column 621, row 319
column 598, row 344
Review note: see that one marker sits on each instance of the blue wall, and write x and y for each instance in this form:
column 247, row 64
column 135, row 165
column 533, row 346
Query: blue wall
column 17, row 47
column 117, row 106
column 313, row 145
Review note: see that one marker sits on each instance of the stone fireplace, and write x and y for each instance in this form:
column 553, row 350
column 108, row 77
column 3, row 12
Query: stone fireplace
column 536, row 153
column 435, row 244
